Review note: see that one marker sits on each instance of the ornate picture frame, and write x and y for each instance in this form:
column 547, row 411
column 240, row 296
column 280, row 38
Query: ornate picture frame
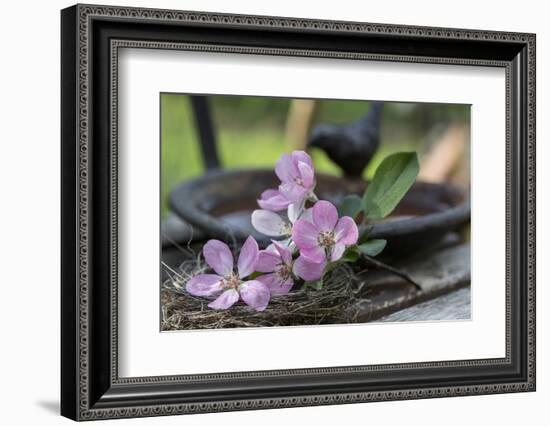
column 90, row 40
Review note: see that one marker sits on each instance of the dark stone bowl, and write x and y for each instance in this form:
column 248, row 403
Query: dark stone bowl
column 219, row 204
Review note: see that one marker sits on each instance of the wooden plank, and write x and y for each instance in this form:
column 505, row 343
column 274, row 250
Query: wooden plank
column 438, row 273
column 452, row 306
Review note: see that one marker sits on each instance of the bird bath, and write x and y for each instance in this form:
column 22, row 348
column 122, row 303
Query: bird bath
column 220, row 203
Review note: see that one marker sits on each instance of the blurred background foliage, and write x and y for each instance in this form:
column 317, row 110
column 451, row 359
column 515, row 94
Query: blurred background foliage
column 250, row 132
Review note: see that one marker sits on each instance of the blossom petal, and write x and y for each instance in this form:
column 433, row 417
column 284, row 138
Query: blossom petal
column 294, row 211
column 204, row 285
column 284, row 287
column 325, row 215
column 267, row 261
column 285, row 168
column 305, row 234
column 248, row 258
column 268, row 223
column 219, row 257
column 270, row 193
column 292, row 191
column 255, row 294
column 337, row 251
column 346, row 231
column 287, row 242
column 272, row 199
column 225, row 300
column 314, row 254
column 307, row 214
column 275, row 285
column 271, row 249
column 284, row 252
column 297, row 211
column 307, row 270
column 302, row 156
column 307, row 175
column 269, row 280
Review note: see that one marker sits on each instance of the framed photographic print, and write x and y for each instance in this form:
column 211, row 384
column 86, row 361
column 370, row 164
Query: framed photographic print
column 263, row 212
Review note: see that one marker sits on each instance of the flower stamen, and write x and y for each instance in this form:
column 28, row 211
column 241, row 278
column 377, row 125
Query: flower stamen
column 326, row 239
column 286, row 228
column 283, row 271
column 232, row 281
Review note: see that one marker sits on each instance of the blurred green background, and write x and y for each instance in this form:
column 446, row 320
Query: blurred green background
column 250, row 132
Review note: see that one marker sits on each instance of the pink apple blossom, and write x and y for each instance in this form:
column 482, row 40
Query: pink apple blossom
column 280, row 269
column 229, row 286
column 297, row 176
column 326, row 237
column 276, row 262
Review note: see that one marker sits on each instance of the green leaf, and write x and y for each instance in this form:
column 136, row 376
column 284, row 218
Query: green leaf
column 351, row 206
column 364, row 233
column 255, row 275
column 350, row 255
column 391, row 181
column 372, row 247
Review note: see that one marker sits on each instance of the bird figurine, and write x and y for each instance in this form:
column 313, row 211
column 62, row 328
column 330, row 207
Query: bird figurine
column 350, row 146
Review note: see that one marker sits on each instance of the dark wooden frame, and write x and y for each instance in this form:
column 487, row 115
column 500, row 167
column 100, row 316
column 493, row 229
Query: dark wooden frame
column 90, row 386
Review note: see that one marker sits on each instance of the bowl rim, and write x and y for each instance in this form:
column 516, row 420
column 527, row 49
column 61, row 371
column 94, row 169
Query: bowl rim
column 180, row 203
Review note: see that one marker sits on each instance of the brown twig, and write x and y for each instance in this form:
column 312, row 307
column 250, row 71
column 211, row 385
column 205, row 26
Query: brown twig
column 393, row 270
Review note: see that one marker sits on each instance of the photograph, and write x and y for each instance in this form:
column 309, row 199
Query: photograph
column 308, row 212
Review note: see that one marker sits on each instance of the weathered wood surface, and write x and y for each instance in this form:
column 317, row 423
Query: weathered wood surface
column 452, row 306
column 439, row 273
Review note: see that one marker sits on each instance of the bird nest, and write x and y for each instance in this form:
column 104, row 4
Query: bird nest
column 331, row 304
